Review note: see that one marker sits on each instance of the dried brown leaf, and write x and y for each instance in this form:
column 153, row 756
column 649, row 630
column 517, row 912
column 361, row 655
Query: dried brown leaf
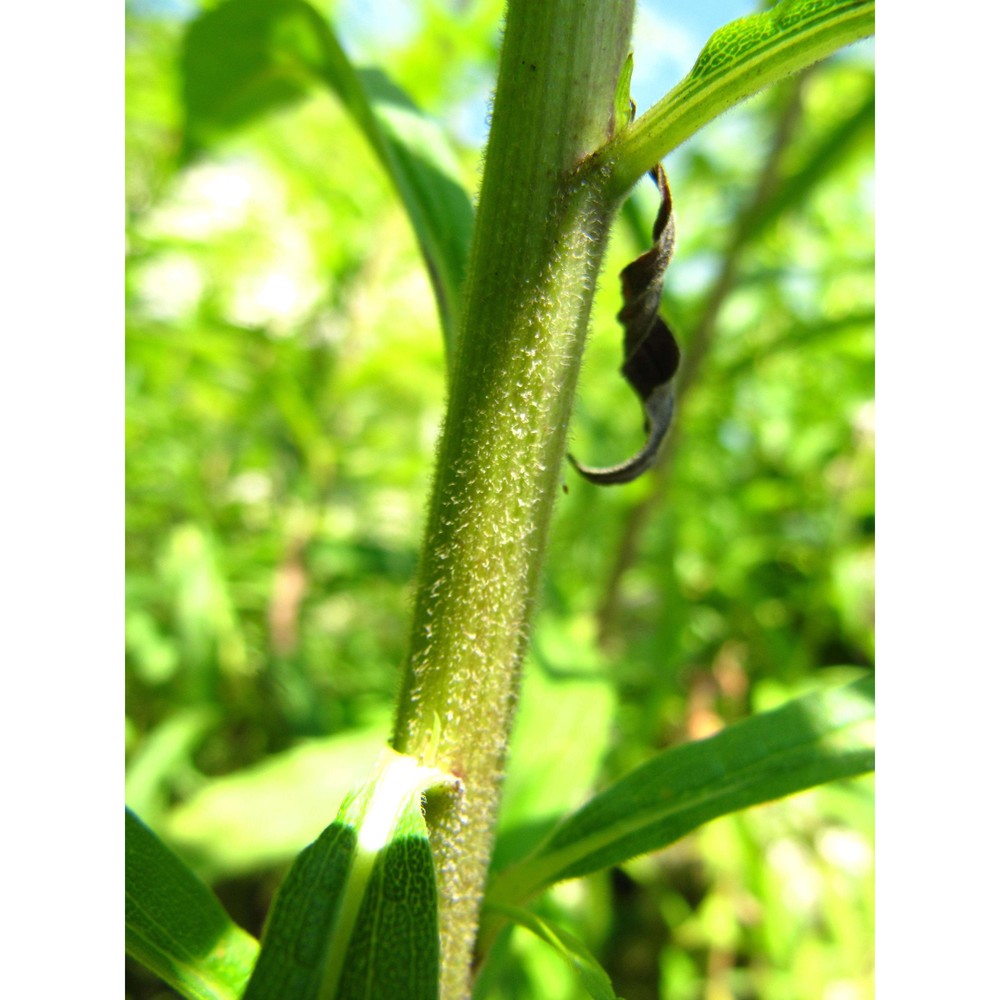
column 652, row 355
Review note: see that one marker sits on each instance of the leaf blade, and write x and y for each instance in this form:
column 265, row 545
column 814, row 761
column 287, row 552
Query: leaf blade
column 809, row 741
column 174, row 924
column 738, row 60
column 245, row 58
column 356, row 918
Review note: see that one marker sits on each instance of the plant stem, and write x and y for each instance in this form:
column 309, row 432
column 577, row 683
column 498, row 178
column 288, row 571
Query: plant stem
column 540, row 234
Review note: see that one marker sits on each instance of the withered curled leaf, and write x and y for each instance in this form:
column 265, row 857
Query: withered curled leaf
column 652, row 355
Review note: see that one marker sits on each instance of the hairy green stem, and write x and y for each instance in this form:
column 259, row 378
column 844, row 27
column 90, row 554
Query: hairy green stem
column 540, row 234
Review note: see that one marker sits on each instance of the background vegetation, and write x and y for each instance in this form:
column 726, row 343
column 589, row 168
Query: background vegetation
column 285, row 382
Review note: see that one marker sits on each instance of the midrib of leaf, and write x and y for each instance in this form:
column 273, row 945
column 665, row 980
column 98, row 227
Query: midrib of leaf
column 337, row 928
column 738, row 60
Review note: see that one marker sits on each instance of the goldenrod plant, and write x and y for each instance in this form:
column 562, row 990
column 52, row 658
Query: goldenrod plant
column 407, row 894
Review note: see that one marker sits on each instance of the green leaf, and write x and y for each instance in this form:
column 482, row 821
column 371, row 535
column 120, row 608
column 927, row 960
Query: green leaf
column 422, row 164
column 245, row 58
column 624, row 105
column 356, row 918
column 810, row 741
column 592, row 976
column 738, row 60
column 176, row 927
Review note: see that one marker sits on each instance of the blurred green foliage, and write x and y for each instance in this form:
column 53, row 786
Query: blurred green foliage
column 285, row 377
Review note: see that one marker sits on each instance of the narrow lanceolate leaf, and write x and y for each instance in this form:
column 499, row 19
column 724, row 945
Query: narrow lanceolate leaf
column 810, row 741
column 247, row 57
column 652, row 356
column 740, row 59
column 176, row 927
column 356, row 918
column 592, row 976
